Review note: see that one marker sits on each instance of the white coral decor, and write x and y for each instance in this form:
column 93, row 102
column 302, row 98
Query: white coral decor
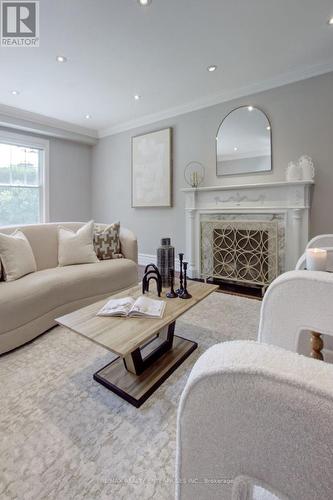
column 308, row 170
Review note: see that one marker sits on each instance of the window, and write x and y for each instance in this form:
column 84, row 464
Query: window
column 23, row 180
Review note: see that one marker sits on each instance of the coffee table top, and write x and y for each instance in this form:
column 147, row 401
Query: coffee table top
column 123, row 335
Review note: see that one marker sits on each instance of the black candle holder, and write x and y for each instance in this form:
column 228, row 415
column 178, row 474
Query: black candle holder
column 180, row 290
column 172, row 294
column 185, row 294
column 152, row 274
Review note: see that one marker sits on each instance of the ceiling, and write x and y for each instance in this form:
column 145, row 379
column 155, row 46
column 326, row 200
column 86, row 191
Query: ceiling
column 116, row 49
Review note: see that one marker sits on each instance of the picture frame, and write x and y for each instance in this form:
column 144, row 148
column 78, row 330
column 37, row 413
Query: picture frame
column 151, row 169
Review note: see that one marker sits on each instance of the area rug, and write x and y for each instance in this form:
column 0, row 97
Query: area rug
column 64, row 436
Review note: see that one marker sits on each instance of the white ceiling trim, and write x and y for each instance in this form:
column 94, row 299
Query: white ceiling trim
column 279, row 81
column 21, row 119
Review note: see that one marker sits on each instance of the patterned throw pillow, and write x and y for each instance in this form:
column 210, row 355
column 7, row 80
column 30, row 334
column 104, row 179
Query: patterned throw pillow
column 107, row 241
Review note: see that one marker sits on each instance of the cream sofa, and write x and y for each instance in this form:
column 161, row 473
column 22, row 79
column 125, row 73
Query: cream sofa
column 29, row 305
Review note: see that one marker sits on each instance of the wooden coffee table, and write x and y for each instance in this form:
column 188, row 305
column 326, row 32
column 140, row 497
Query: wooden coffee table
column 148, row 351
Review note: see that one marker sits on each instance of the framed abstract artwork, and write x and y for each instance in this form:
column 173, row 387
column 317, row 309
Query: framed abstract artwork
column 152, row 169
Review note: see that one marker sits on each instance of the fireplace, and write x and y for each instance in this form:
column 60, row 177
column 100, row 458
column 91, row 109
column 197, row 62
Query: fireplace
column 248, row 232
column 240, row 251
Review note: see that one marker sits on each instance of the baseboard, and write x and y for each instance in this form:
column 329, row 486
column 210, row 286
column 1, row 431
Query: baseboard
column 145, row 258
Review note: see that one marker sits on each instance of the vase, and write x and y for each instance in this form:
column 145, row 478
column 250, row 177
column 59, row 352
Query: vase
column 293, row 172
column 307, row 168
column 165, row 260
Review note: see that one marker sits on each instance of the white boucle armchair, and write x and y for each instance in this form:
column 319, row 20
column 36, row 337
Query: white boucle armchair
column 296, row 303
column 299, row 302
column 255, row 422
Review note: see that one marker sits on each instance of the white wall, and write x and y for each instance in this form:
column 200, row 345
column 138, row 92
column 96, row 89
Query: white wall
column 301, row 115
column 70, row 179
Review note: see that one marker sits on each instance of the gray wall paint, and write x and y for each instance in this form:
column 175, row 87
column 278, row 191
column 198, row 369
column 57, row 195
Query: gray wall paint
column 70, row 179
column 301, row 116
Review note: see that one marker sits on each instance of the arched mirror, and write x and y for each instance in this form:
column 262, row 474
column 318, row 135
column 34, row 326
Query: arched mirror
column 243, row 142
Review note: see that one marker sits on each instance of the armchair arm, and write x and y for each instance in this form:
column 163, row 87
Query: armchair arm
column 301, row 263
column 258, row 411
column 320, row 241
column 296, row 301
column 129, row 244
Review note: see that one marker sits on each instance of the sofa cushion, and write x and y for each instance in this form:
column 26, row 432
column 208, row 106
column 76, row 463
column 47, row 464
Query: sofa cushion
column 107, row 241
column 43, row 239
column 16, row 255
column 38, row 293
column 76, row 247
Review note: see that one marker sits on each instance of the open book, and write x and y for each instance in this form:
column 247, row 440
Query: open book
column 143, row 306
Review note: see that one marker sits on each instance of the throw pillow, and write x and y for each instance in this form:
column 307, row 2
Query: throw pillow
column 107, row 241
column 16, row 255
column 76, row 247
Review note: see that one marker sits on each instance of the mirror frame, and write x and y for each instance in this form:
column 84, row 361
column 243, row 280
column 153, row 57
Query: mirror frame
column 271, row 142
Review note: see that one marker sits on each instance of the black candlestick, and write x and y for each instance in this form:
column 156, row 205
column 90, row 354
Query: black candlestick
column 185, row 294
column 180, row 290
column 172, row 294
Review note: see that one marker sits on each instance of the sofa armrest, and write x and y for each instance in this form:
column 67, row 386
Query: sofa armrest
column 256, row 411
column 129, row 244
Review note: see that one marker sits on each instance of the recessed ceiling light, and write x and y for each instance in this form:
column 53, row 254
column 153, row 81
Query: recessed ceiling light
column 137, row 97
column 88, row 117
column 61, row 59
column 144, row 3
column 211, row 68
column 330, row 21
column 250, row 108
column 15, row 92
column 268, row 128
column 235, row 149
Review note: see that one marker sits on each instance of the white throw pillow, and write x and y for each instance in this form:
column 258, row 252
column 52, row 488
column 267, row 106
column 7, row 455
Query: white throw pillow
column 16, row 255
column 76, row 247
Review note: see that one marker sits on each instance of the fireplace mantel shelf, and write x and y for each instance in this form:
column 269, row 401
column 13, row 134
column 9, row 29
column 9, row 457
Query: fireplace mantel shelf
column 248, row 186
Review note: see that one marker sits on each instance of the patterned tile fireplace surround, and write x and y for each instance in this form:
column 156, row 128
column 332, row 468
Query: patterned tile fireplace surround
column 246, row 233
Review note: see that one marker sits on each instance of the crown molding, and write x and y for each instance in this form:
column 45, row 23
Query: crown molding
column 279, row 81
column 20, row 119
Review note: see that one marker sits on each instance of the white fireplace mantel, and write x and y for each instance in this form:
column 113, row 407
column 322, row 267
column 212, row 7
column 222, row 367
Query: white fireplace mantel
column 291, row 199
